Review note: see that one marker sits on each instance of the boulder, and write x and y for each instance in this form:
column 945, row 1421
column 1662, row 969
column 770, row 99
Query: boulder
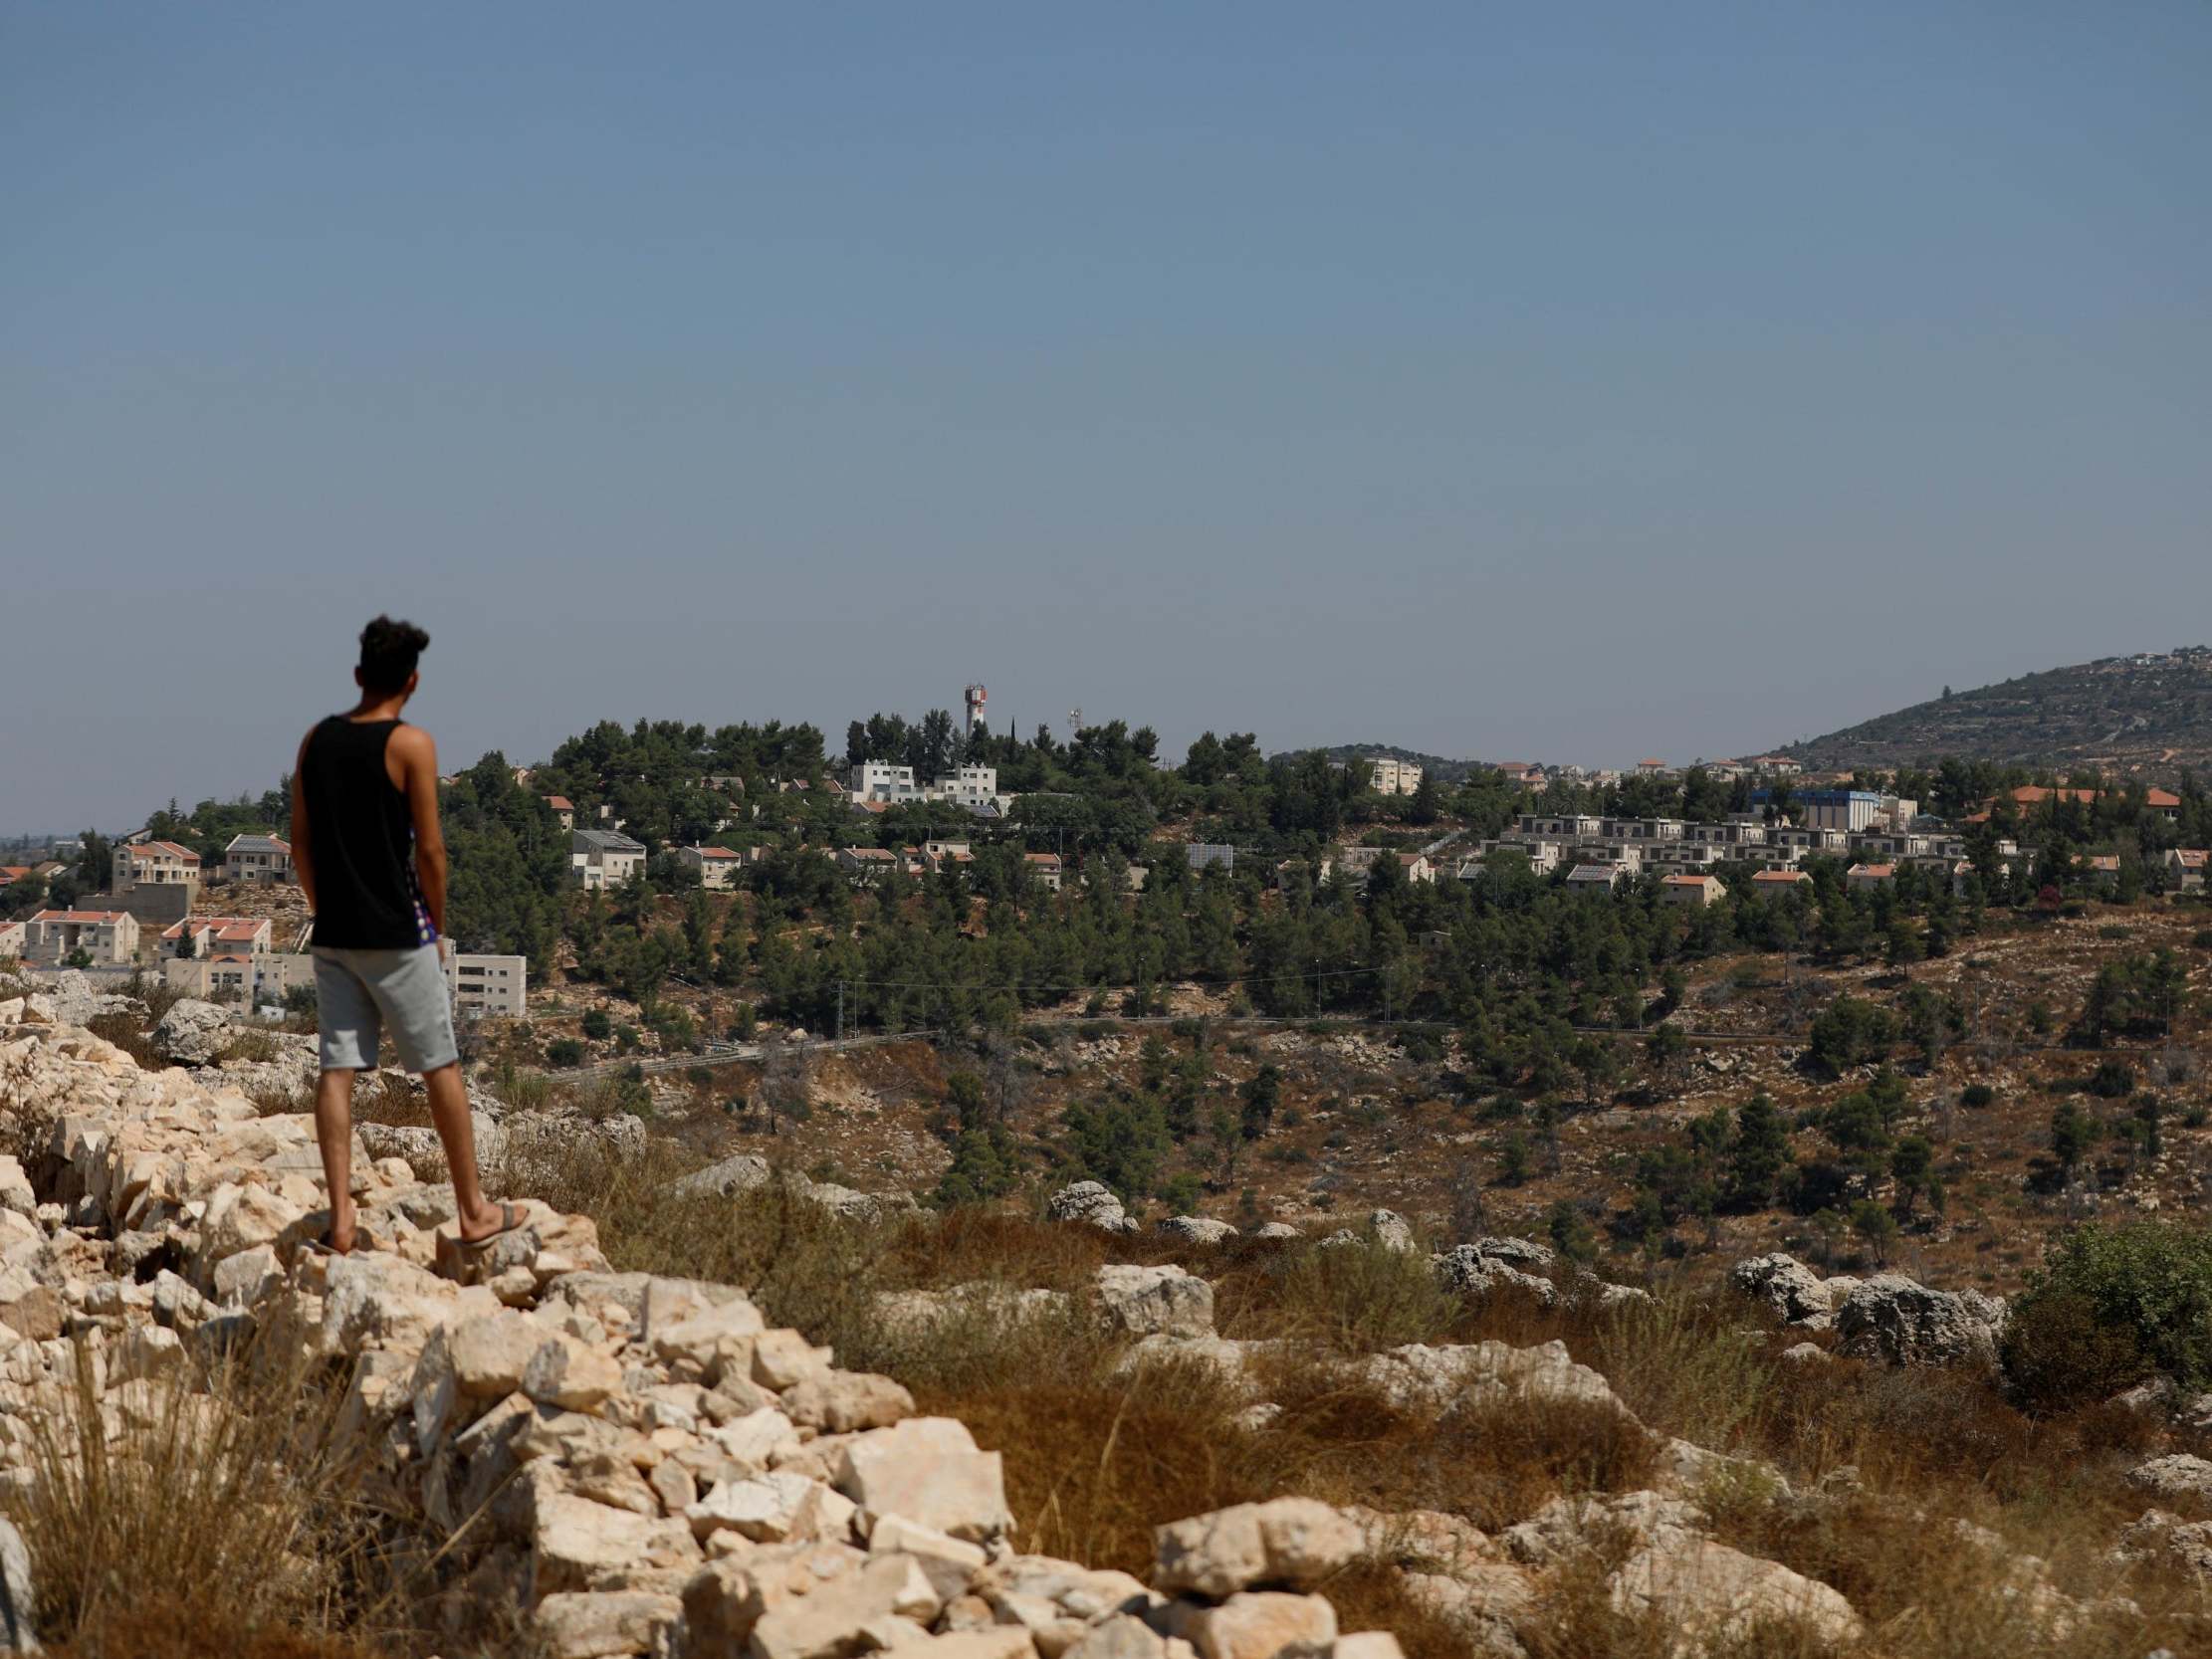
column 742, row 1173
column 1275, row 1230
column 1293, row 1542
column 1391, row 1230
column 575, row 1624
column 2167, row 1539
column 1195, row 1229
column 1715, row 1595
column 836, row 1620
column 1166, row 1300
column 2181, row 1475
column 579, row 1545
column 1257, row 1624
column 843, row 1402
column 1563, row 1527
column 1894, row 1318
column 191, row 1033
column 928, row 1470
column 1091, row 1203
column 1484, row 1374
column 1792, row 1292
column 15, row 1576
column 950, row 1564
column 1467, row 1269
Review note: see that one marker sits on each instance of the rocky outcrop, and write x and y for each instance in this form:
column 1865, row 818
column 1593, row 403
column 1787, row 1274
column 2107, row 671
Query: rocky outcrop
column 1901, row 1321
column 1714, row 1595
column 1147, row 1301
column 1195, row 1229
column 191, row 1033
column 1791, row 1291
column 1091, row 1203
column 2181, row 1475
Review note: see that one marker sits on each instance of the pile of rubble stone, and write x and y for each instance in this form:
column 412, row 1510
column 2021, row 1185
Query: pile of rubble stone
column 656, row 1470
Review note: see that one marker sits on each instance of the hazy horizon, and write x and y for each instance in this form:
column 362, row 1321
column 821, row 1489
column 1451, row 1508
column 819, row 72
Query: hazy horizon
column 1570, row 386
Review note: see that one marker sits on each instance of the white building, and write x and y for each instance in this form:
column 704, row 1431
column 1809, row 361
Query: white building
column 718, row 867
column 969, row 786
column 1391, row 777
column 880, row 780
column 108, row 937
column 252, row 979
column 155, row 864
column 487, row 985
column 603, row 858
column 218, row 936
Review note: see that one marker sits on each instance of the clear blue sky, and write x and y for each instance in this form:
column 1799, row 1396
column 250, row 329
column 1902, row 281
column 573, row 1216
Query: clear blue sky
column 1575, row 382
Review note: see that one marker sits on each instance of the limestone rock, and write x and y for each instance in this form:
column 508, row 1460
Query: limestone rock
column 586, row 1625
column 1166, row 1300
column 845, row 1401
column 928, row 1470
column 1195, row 1229
column 1487, row 1372
column 1894, row 1318
column 581, row 1546
column 1258, row 1625
column 1786, row 1287
column 1714, row 1594
column 740, row 1173
column 1092, row 1203
column 832, row 1622
column 2181, row 1475
column 1290, row 1541
column 191, row 1033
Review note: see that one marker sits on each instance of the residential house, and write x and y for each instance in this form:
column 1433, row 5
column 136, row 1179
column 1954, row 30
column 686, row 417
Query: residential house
column 1417, row 867
column 1208, row 855
column 1046, row 868
column 155, row 864
column 255, row 978
column 1654, row 768
column 217, row 935
column 2102, row 869
column 254, row 857
column 489, row 985
column 718, row 867
column 969, row 786
column 2184, row 867
column 1540, row 826
column 1861, row 878
column 1694, row 892
column 1589, row 878
column 1779, row 880
column 603, row 858
column 108, row 937
column 1543, row 856
column 12, row 938
column 563, row 809
column 867, row 863
column 13, row 872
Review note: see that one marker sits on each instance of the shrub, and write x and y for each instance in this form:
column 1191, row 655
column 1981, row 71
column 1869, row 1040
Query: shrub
column 597, row 1025
column 1977, row 1096
column 2132, row 1299
column 564, row 1052
column 2114, row 1080
column 1850, row 1031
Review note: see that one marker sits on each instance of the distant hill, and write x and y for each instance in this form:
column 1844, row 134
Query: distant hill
column 2145, row 714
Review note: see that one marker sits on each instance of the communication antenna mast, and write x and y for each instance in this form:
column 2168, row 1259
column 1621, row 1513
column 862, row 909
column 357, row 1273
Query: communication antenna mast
column 1075, row 720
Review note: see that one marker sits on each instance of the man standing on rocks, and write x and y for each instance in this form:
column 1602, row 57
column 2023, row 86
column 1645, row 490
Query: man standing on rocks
column 370, row 859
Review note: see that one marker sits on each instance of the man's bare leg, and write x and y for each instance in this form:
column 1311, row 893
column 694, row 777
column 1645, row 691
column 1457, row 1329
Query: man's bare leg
column 449, row 1110
column 334, row 1133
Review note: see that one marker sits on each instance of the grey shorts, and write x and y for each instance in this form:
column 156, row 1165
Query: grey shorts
column 358, row 994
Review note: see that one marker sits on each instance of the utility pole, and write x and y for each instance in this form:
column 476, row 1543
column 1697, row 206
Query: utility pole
column 840, row 1010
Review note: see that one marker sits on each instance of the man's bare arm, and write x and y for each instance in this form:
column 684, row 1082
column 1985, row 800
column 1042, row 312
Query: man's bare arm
column 418, row 760
column 302, row 841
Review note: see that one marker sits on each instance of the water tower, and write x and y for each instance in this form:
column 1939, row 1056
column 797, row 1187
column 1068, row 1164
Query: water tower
column 975, row 695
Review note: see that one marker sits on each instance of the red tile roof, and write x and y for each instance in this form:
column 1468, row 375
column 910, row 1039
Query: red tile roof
column 161, row 849
column 1793, row 877
column 714, row 852
column 559, row 804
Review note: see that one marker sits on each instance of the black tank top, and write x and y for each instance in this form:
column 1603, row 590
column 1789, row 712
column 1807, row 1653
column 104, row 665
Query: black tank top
column 361, row 839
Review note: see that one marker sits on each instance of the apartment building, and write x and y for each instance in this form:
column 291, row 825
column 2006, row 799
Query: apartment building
column 489, row 986
column 155, row 864
column 108, row 937
column 1391, row 777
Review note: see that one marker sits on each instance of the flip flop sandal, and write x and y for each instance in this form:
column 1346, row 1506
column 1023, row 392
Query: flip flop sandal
column 456, row 1250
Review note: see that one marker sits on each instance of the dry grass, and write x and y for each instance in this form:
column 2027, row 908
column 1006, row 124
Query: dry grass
column 234, row 1507
column 127, row 1034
